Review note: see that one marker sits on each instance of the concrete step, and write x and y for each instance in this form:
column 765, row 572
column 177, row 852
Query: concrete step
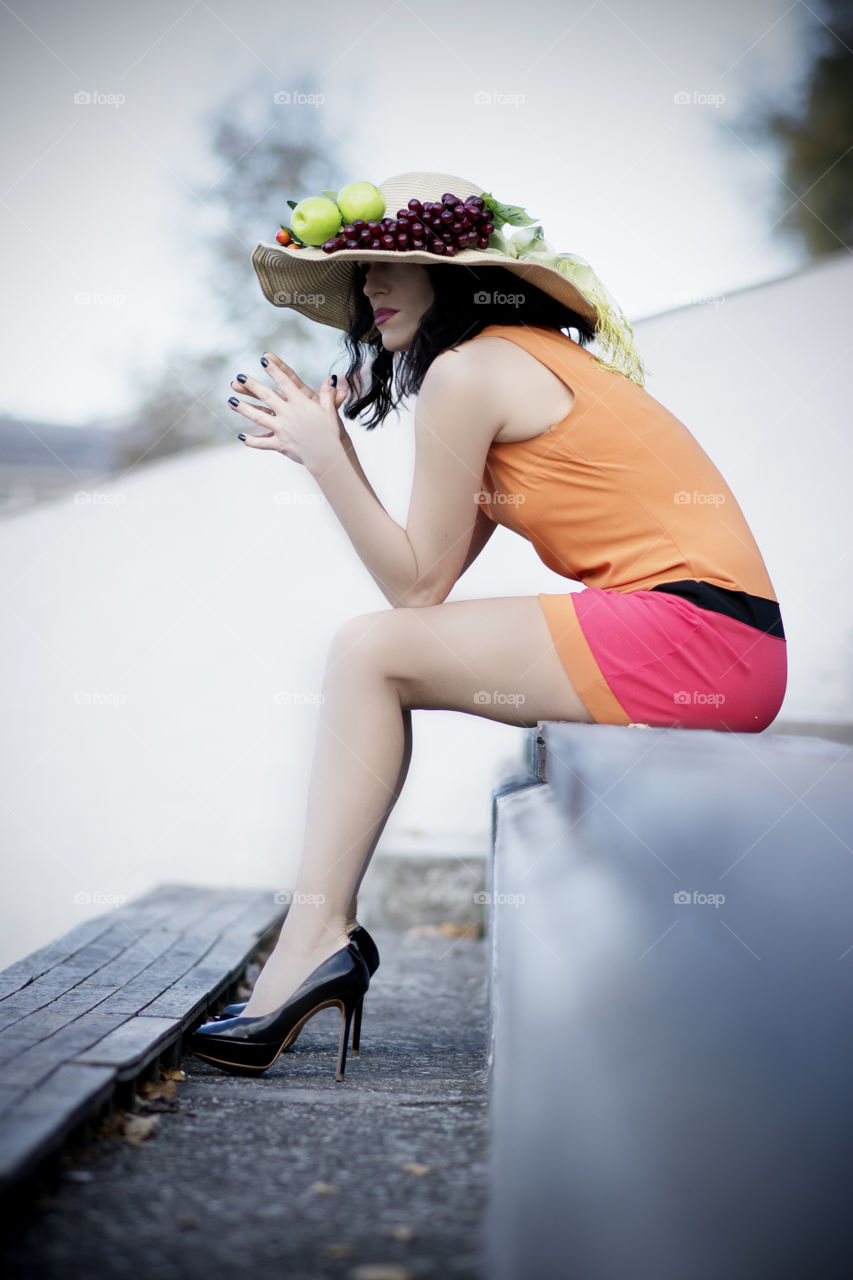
column 672, row 943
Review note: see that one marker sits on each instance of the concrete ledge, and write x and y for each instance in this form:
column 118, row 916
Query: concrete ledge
column 671, row 1074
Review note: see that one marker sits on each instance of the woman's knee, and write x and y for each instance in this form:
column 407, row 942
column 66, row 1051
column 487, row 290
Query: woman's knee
column 367, row 639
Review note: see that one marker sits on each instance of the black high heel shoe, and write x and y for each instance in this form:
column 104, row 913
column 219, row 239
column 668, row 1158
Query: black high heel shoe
column 243, row 1046
column 370, row 955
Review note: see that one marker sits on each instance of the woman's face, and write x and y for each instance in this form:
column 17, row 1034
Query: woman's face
column 400, row 294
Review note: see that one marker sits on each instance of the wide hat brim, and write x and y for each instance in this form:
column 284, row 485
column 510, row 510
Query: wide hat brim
column 319, row 285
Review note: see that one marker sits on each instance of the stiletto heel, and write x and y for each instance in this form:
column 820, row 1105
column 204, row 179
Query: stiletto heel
column 245, row 1045
column 370, row 955
column 356, row 1028
column 346, row 1016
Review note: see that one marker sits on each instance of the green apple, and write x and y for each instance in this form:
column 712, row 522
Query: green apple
column 361, row 200
column 316, row 219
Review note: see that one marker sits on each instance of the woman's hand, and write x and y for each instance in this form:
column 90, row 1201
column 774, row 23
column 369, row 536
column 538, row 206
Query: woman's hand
column 293, row 419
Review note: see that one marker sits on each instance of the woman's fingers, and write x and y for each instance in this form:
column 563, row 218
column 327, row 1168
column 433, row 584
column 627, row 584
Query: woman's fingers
column 253, row 412
column 239, row 387
column 266, row 395
column 284, row 377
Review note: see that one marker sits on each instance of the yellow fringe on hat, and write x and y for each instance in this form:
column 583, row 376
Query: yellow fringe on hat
column 613, row 332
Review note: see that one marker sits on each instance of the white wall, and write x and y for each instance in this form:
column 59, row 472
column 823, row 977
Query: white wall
column 762, row 378
column 154, row 632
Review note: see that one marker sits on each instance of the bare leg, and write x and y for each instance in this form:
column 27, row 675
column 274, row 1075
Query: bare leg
column 380, row 666
column 361, row 759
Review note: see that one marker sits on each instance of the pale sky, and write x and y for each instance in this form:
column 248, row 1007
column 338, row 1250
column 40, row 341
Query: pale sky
column 614, row 124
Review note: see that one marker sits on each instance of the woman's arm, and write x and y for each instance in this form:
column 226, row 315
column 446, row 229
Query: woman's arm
column 419, row 565
column 483, row 530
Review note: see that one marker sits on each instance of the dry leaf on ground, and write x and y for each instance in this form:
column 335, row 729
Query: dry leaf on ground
column 139, row 1128
column 158, row 1089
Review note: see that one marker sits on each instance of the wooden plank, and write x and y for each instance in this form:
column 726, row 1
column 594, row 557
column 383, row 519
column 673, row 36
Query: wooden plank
column 40, row 1059
column 130, row 1047
column 41, row 1121
column 101, row 1003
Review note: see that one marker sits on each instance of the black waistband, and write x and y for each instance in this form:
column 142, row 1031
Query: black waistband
column 755, row 611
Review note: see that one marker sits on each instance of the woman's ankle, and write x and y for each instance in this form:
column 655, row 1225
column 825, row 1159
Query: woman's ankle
column 307, row 935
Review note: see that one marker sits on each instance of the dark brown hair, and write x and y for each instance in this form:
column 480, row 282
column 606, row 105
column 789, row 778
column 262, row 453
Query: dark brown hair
column 466, row 301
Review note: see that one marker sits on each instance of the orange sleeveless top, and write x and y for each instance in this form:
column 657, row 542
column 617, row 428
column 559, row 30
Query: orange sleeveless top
column 619, row 494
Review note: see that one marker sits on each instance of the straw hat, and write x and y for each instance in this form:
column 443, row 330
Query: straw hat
column 317, row 284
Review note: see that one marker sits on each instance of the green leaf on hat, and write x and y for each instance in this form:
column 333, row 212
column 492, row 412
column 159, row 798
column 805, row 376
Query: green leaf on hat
column 512, row 213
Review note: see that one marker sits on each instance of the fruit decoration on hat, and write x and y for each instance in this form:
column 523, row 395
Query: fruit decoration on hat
column 354, row 218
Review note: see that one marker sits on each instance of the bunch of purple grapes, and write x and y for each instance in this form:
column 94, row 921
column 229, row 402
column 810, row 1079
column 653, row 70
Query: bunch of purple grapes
column 437, row 226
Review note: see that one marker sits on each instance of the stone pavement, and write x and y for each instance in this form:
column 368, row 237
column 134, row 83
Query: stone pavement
column 381, row 1177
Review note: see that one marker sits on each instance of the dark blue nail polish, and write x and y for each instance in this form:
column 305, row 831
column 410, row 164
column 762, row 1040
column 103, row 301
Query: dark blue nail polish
column 334, row 380
column 233, row 400
column 264, row 361
column 241, row 377
column 241, row 436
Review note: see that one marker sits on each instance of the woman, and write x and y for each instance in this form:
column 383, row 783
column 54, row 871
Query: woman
column 520, row 424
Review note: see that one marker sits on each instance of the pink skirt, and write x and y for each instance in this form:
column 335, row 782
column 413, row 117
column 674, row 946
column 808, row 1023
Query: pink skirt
column 649, row 657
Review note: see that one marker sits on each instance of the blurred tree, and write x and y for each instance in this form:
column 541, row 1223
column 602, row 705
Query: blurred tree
column 282, row 154
column 815, row 204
